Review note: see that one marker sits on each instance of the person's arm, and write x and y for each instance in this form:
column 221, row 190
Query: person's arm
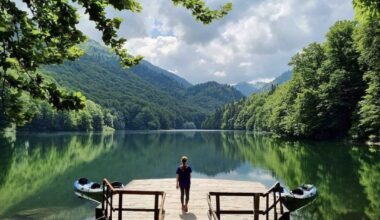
column 177, row 181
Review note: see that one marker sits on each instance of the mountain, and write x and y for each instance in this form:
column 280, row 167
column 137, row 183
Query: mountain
column 246, row 88
column 211, row 95
column 154, row 75
column 159, row 77
column 249, row 88
column 281, row 79
column 145, row 96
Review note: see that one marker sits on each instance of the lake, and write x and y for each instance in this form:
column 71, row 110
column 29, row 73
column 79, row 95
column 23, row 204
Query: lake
column 37, row 170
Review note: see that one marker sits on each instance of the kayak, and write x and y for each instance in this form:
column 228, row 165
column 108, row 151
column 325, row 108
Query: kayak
column 298, row 197
column 93, row 191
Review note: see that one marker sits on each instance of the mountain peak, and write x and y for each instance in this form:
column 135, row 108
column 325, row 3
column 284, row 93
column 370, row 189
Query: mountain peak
column 249, row 88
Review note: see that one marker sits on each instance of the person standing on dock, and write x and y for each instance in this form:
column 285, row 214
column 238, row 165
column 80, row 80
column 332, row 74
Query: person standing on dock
column 183, row 182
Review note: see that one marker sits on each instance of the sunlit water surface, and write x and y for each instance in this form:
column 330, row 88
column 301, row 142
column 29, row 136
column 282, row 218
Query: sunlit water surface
column 37, row 170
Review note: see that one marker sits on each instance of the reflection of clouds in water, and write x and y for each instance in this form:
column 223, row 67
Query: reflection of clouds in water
column 244, row 172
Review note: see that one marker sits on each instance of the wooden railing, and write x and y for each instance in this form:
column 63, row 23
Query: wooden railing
column 274, row 191
column 108, row 208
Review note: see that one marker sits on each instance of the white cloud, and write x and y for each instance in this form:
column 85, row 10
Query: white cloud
column 245, row 64
column 153, row 48
column 255, row 41
column 219, row 74
column 202, row 61
column 266, row 80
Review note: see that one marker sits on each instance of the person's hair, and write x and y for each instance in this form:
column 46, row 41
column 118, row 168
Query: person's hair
column 183, row 161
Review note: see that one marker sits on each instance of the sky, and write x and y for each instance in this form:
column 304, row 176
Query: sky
column 254, row 42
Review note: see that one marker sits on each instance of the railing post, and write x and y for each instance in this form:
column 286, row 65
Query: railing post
column 217, row 199
column 267, row 209
column 111, row 204
column 103, row 195
column 275, row 205
column 281, row 208
column 256, row 206
column 156, row 207
column 120, row 206
column 106, row 211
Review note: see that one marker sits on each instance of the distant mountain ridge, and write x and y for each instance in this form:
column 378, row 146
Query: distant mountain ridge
column 145, row 96
column 281, row 79
column 248, row 89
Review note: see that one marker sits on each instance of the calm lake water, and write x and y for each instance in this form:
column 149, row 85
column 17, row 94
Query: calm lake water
column 37, row 171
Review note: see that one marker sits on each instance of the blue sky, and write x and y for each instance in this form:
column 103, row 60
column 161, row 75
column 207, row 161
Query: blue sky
column 254, row 42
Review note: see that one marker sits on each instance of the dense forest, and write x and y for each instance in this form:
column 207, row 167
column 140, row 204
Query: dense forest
column 92, row 118
column 143, row 97
column 334, row 91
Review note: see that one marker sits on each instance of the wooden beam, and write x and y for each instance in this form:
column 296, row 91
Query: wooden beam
column 218, row 206
column 120, row 206
column 247, row 194
column 156, row 207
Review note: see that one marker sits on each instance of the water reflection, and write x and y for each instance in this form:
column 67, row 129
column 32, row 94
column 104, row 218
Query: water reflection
column 37, row 170
column 331, row 166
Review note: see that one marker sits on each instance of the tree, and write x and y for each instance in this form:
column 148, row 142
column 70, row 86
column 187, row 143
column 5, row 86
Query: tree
column 85, row 121
column 344, row 87
column 366, row 8
column 14, row 107
column 189, row 125
column 42, row 32
column 368, row 124
column 146, row 120
column 295, row 114
column 108, row 119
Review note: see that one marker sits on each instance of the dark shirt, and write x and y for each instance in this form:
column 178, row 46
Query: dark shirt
column 184, row 176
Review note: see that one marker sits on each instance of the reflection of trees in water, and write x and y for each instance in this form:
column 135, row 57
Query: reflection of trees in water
column 37, row 163
column 328, row 165
column 6, row 150
column 156, row 155
column 43, row 167
column 46, row 165
column 369, row 174
column 54, row 213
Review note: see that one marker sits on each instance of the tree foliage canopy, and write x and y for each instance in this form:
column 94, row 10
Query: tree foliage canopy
column 40, row 32
column 367, row 8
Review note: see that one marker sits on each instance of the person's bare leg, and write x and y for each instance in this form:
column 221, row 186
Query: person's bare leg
column 182, row 197
column 187, row 192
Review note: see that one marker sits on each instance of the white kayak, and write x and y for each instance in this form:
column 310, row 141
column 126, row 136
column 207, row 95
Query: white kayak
column 91, row 190
column 299, row 197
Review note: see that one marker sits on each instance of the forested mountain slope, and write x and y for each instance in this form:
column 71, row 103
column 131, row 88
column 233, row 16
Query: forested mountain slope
column 211, row 95
column 160, row 77
column 143, row 97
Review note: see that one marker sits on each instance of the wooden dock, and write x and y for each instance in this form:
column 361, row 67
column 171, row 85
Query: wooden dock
column 198, row 205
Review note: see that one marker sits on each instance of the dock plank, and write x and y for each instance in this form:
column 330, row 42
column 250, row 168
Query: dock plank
column 198, row 206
